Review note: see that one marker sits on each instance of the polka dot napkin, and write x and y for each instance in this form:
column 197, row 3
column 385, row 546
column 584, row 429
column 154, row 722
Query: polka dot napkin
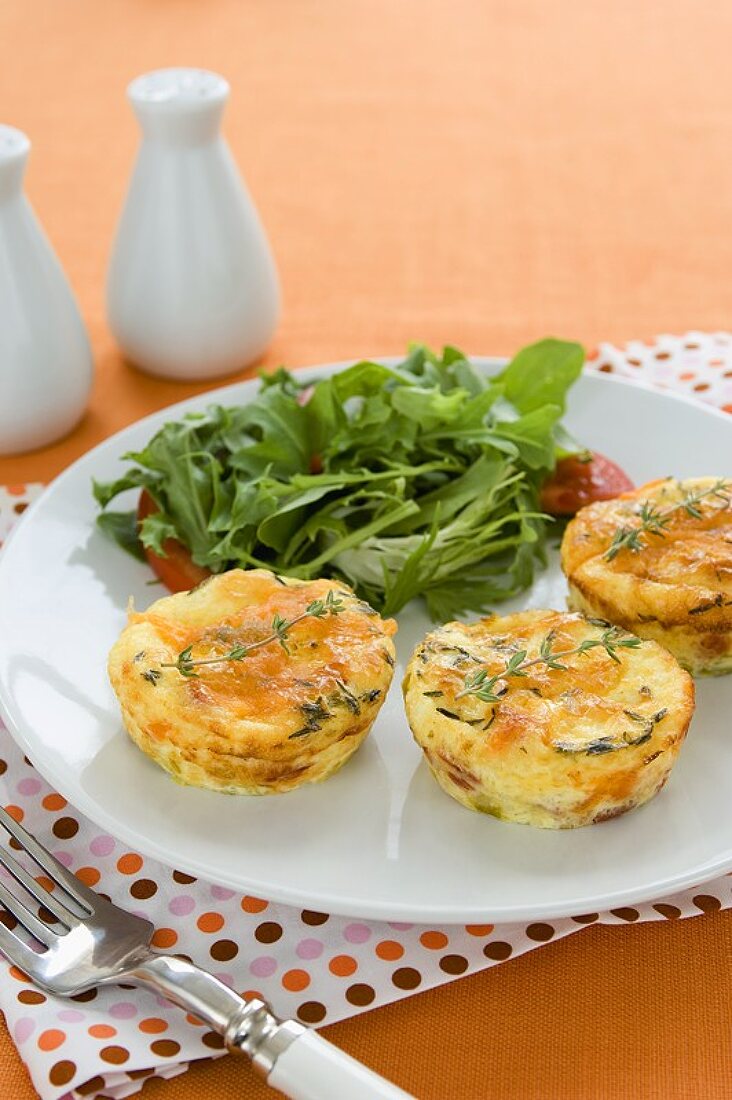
column 309, row 965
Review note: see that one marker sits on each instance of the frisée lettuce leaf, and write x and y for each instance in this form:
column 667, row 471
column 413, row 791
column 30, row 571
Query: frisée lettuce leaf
column 420, row 479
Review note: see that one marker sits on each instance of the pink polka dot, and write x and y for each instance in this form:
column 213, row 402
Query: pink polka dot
column 357, row 933
column 309, row 949
column 400, row 926
column 227, row 979
column 102, row 845
column 64, row 857
column 182, row 905
column 221, row 893
column 263, row 967
column 70, row 1015
column 24, row 1027
column 123, row 1010
column 29, row 787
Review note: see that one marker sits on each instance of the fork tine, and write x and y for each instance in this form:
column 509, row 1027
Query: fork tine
column 28, row 919
column 20, row 954
column 45, row 897
column 87, row 898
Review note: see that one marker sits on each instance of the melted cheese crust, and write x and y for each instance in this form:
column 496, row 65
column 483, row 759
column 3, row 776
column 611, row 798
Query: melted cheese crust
column 561, row 748
column 676, row 590
column 269, row 722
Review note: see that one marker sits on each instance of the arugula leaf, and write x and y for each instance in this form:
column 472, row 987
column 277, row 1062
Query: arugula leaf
column 122, row 528
column 419, row 479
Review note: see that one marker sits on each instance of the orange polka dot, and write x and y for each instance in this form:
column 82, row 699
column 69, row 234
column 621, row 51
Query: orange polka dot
column 210, row 922
column 164, row 937
column 54, row 802
column 479, row 929
column 88, row 875
column 153, row 1025
column 51, row 1039
column 252, row 994
column 727, row 408
column 433, row 940
column 253, row 905
column 102, row 1031
column 295, row 980
column 129, row 864
column 46, row 883
column 16, row 490
column 343, row 966
column 389, row 950
column 687, row 375
column 194, row 1020
column 15, row 812
column 19, row 975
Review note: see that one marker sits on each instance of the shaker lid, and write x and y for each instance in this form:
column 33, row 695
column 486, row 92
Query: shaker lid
column 14, row 145
column 178, row 89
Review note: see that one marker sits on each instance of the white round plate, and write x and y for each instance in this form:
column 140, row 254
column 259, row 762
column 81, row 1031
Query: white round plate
column 379, row 839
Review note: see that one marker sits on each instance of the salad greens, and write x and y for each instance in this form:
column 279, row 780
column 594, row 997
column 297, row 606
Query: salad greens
column 416, row 480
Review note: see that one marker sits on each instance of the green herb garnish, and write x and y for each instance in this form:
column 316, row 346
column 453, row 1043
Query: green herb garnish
column 655, row 520
column 490, row 689
column 318, row 609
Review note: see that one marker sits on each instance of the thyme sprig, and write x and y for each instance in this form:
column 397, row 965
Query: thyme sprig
column 655, row 520
column 490, row 689
column 281, row 627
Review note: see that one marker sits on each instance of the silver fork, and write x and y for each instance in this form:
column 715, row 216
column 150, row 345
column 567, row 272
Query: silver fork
column 93, row 942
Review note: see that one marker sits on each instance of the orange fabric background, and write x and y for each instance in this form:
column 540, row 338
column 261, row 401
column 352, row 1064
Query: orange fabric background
column 482, row 172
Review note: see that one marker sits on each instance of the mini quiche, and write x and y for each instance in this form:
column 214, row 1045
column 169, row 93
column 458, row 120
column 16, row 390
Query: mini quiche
column 546, row 718
column 224, row 690
column 658, row 562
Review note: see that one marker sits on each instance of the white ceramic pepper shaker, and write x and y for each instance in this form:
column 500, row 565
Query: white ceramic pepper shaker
column 45, row 358
column 192, row 290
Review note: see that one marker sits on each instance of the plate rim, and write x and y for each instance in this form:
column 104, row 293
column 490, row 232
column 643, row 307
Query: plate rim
column 375, row 910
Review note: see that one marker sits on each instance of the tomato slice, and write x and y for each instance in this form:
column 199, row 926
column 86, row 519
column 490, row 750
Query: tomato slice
column 177, row 570
column 576, row 483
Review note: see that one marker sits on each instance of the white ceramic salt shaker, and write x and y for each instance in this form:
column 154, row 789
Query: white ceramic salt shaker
column 45, row 358
column 192, row 290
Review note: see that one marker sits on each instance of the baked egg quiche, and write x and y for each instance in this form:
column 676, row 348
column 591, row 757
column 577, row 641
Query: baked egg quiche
column 658, row 562
column 547, row 718
column 253, row 683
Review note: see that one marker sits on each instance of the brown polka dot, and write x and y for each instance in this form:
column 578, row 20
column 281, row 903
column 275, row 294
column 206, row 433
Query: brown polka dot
column 164, row 937
column 94, row 1084
column 165, row 1048
column 62, row 1072
column 80, row 998
column 540, row 932
column 626, row 913
column 65, row 827
column 453, row 964
column 30, row 997
column 8, row 920
column 406, row 977
column 311, row 1012
column 223, row 950
column 213, row 1040
column 360, row 994
column 14, row 844
column 46, row 915
column 182, row 878
column 137, row 1074
column 143, row 888
column 116, row 1056
column 670, row 912
column 3, row 767
column 268, row 932
column 700, row 387
column 605, row 368
column 498, row 950
column 586, row 918
column 663, row 355
column 309, row 916
column 20, row 507
column 707, row 903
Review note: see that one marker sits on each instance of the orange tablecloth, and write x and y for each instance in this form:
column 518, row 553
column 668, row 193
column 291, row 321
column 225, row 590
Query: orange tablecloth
column 482, row 172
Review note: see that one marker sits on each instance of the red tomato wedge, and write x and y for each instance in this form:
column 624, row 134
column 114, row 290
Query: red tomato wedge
column 177, row 570
column 576, row 483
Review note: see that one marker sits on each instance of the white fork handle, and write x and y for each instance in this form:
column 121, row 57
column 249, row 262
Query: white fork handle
column 313, row 1069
